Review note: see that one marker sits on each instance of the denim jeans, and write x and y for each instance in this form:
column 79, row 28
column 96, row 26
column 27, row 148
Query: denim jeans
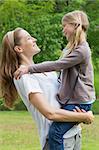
column 58, row 129
column 70, row 143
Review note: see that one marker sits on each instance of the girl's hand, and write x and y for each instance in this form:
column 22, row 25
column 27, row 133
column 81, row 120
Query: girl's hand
column 20, row 71
column 77, row 109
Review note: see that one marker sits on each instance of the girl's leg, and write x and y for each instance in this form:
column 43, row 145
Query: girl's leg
column 73, row 143
column 58, row 129
column 56, row 132
column 77, row 145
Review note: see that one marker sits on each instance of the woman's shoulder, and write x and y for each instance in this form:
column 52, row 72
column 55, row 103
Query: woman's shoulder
column 25, row 79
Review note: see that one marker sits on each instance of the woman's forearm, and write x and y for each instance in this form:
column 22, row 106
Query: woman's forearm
column 39, row 101
column 69, row 116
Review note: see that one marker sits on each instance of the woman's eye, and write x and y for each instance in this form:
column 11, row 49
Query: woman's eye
column 29, row 38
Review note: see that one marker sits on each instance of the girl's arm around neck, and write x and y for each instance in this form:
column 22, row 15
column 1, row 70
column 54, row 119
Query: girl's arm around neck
column 74, row 58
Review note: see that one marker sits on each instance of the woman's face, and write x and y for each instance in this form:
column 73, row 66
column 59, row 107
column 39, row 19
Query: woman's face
column 28, row 44
column 68, row 30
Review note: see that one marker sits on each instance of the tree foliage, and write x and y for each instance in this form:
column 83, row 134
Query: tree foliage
column 42, row 19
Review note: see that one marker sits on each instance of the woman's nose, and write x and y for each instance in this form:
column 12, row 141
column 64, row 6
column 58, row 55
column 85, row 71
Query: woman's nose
column 34, row 39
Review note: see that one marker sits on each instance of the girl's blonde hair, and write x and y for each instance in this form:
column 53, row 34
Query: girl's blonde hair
column 10, row 61
column 80, row 20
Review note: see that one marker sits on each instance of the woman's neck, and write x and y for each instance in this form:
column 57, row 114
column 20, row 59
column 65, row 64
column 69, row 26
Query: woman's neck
column 26, row 61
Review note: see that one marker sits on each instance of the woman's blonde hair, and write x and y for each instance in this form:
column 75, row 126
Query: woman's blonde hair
column 10, row 61
column 80, row 20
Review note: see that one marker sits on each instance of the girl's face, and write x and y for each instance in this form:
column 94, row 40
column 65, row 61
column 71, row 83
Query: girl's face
column 68, row 30
column 28, row 44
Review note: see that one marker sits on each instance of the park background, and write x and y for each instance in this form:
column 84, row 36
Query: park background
column 42, row 19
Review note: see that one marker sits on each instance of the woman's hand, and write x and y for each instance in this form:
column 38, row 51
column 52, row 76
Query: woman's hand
column 89, row 115
column 20, row 71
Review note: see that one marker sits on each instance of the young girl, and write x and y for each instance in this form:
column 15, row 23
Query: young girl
column 35, row 89
column 77, row 87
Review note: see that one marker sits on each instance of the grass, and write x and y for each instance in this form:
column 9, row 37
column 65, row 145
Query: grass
column 18, row 132
column 95, row 107
column 90, row 135
column 97, row 83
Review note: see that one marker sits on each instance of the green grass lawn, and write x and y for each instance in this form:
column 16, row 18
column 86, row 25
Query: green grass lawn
column 96, row 80
column 18, row 132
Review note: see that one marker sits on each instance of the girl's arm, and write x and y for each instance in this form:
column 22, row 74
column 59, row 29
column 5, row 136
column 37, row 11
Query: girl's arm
column 51, row 113
column 74, row 58
column 71, row 60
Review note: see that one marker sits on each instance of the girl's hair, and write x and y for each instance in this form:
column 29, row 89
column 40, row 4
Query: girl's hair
column 80, row 20
column 10, row 61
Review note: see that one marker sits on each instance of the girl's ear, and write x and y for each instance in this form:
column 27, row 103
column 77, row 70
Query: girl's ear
column 18, row 49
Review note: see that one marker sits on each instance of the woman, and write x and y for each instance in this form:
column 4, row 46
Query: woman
column 18, row 49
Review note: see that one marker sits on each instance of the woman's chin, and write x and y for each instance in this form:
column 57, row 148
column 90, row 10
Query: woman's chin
column 37, row 51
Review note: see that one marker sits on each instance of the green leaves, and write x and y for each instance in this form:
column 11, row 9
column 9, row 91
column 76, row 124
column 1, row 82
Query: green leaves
column 42, row 19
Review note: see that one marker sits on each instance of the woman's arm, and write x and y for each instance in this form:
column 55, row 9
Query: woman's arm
column 51, row 113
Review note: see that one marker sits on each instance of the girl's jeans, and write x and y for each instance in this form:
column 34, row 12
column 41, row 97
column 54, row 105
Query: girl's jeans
column 58, row 129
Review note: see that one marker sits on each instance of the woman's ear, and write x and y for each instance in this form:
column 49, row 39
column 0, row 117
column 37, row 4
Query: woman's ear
column 18, row 49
